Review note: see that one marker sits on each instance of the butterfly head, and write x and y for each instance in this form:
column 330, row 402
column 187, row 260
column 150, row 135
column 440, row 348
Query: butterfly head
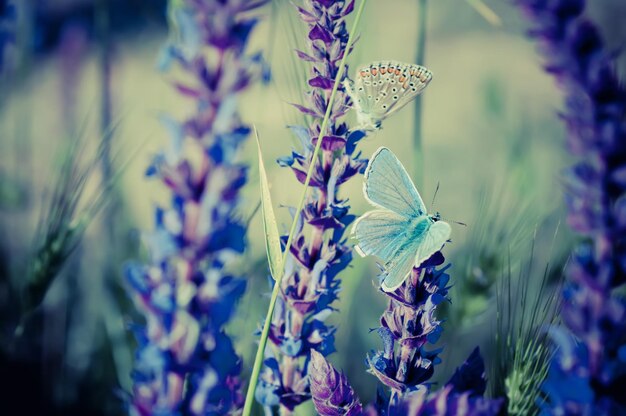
column 436, row 217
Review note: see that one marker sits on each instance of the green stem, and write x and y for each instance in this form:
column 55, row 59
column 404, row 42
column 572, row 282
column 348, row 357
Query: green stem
column 418, row 166
column 258, row 359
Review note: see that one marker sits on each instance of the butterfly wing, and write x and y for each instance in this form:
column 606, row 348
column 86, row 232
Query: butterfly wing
column 399, row 84
column 363, row 93
column 401, row 264
column 433, row 240
column 403, row 83
column 388, row 185
column 418, row 248
column 378, row 233
column 383, row 87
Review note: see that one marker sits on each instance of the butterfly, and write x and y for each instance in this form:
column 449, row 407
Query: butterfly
column 400, row 232
column 382, row 88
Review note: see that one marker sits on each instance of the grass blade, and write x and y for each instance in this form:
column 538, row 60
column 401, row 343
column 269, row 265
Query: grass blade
column 486, row 12
column 272, row 237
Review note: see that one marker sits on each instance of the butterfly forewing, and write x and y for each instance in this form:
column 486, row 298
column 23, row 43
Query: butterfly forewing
column 388, row 185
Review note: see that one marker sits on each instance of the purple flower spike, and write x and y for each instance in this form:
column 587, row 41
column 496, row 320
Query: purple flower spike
column 408, row 326
column 589, row 361
column 332, row 395
column 405, row 364
column 185, row 363
column 319, row 251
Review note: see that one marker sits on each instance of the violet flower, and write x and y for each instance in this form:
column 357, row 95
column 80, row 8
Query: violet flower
column 332, row 395
column 443, row 402
column 589, row 371
column 407, row 327
column 310, row 284
column 406, row 363
column 462, row 394
column 185, row 362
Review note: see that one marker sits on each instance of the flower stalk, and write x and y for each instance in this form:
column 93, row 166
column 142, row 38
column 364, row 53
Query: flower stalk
column 185, row 362
column 308, row 269
column 408, row 325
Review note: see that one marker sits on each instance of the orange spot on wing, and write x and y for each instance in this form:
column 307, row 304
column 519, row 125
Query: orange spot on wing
column 383, row 71
column 397, row 72
column 402, row 78
column 374, row 71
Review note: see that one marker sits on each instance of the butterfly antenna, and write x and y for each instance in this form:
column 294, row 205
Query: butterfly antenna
column 455, row 222
column 432, row 204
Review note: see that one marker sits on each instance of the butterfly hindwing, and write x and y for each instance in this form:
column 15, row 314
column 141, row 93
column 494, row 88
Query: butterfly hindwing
column 379, row 233
column 434, row 239
column 402, row 83
column 397, row 271
column 415, row 249
column 403, row 260
column 388, row 185
column 383, row 87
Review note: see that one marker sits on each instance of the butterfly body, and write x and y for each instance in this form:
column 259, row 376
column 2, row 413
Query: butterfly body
column 400, row 231
column 382, row 88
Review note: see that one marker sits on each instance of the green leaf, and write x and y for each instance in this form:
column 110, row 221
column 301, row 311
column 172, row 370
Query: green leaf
column 272, row 238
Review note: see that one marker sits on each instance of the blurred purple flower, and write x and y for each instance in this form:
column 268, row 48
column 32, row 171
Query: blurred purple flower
column 7, row 20
column 589, row 370
column 310, row 284
column 185, row 362
column 73, row 46
column 444, row 402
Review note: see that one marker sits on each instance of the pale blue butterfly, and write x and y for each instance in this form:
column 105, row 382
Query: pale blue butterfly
column 400, row 232
column 382, row 88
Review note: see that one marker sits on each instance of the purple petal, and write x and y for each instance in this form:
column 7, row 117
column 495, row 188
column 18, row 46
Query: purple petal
column 332, row 395
column 320, row 33
column 322, row 82
column 306, row 110
column 305, row 57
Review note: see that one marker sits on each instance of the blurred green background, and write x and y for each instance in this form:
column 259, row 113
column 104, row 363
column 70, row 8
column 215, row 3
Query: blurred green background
column 492, row 141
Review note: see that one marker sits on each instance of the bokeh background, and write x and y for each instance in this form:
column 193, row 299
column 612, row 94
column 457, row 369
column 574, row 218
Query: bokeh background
column 81, row 73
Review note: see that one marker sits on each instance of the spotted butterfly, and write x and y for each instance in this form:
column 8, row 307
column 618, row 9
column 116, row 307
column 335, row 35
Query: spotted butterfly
column 382, row 88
